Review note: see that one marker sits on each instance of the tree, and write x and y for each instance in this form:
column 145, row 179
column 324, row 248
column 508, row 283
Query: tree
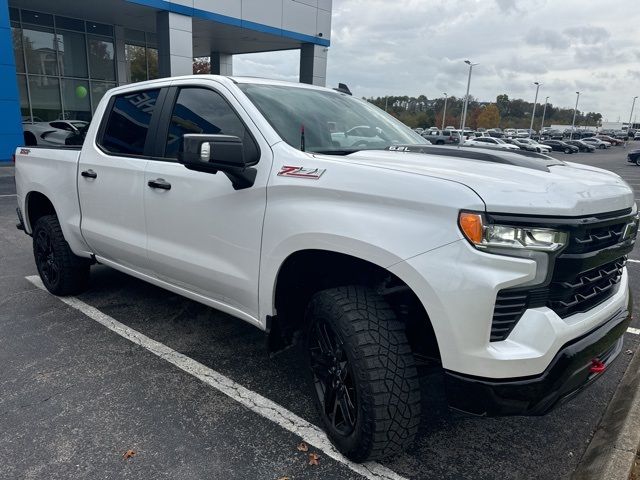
column 489, row 117
column 502, row 102
column 201, row 65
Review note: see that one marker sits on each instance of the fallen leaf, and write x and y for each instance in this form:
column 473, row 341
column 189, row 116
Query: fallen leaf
column 313, row 459
column 303, row 447
column 283, row 478
column 128, row 454
column 629, row 352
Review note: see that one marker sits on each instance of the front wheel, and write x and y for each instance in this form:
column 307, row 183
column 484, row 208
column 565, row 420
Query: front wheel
column 637, row 162
column 61, row 271
column 602, row 147
column 365, row 383
column 567, row 150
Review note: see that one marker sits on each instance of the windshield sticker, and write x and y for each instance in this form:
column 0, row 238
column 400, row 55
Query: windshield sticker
column 301, row 172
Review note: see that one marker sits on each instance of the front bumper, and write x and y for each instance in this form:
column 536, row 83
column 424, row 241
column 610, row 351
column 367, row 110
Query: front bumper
column 570, row 371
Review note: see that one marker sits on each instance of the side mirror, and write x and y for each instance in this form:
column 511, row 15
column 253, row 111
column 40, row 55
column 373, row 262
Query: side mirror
column 213, row 153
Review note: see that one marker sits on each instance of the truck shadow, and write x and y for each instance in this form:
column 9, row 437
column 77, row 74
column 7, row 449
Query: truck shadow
column 449, row 445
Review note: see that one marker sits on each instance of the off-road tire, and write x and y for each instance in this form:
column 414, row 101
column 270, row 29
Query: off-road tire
column 72, row 272
column 383, row 367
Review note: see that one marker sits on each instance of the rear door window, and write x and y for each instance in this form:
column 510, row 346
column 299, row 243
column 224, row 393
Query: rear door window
column 125, row 132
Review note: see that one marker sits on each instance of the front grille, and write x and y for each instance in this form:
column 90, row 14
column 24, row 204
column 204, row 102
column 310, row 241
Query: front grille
column 586, row 273
column 587, row 290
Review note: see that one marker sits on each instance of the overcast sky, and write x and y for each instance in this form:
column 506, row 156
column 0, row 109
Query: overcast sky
column 412, row 47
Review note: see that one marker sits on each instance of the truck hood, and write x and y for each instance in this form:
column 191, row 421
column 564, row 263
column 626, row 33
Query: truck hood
column 544, row 187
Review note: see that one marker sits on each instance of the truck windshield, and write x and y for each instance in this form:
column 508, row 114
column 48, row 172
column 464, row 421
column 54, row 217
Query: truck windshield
column 327, row 122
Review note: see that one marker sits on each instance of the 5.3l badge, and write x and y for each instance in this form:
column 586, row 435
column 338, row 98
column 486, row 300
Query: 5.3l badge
column 301, row 172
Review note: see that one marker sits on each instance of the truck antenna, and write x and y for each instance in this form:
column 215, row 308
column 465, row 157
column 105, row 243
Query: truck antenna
column 302, row 145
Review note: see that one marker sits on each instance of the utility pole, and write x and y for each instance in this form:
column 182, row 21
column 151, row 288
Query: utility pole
column 466, row 99
column 533, row 114
column 444, row 112
column 575, row 110
column 544, row 111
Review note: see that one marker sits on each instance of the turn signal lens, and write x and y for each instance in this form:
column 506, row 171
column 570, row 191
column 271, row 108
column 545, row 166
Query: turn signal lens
column 471, row 226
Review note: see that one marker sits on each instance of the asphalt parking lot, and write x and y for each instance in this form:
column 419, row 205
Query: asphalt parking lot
column 74, row 396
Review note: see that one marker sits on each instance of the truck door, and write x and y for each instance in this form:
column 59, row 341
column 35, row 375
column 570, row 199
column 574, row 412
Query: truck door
column 203, row 235
column 111, row 180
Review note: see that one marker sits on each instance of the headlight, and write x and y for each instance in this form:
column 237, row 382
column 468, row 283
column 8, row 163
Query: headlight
column 485, row 235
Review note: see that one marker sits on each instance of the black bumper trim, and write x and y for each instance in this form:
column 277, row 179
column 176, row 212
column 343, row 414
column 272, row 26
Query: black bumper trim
column 567, row 374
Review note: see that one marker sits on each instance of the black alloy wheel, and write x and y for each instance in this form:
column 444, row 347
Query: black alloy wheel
column 46, row 261
column 333, row 378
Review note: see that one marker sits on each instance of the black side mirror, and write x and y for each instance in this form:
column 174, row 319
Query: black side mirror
column 213, row 153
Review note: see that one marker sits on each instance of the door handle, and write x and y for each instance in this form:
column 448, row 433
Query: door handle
column 159, row 183
column 89, row 174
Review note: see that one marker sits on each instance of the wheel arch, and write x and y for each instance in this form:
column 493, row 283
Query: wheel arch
column 37, row 205
column 305, row 272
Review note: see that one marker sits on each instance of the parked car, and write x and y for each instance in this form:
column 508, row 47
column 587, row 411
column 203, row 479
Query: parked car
column 444, row 137
column 374, row 258
column 560, row 146
column 490, row 142
column 596, row 142
column 636, row 136
column 57, row 132
column 510, row 132
column 634, row 156
column 522, row 133
column 512, row 141
column 611, row 140
column 538, row 147
column 582, row 146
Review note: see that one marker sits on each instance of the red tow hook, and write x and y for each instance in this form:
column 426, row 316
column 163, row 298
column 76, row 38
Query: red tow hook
column 597, row 366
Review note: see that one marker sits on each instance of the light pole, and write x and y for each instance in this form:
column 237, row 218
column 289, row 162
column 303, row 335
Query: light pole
column 466, row 99
column 444, row 112
column 386, row 103
column 533, row 114
column 631, row 114
column 575, row 110
column 544, row 111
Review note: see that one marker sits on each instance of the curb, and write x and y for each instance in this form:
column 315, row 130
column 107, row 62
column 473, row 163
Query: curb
column 612, row 450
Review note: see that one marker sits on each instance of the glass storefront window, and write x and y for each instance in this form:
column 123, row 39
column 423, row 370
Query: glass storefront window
column 101, row 59
column 75, row 98
column 98, row 89
column 72, row 54
column 16, row 38
column 24, row 98
column 45, row 98
column 136, row 59
column 152, row 62
column 40, row 51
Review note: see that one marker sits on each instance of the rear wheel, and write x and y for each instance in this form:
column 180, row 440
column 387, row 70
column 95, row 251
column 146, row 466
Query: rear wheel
column 567, row 150
column 602, row 147
column 439, row 142
column 365, row 381
column 637, row 162
column 61, row 271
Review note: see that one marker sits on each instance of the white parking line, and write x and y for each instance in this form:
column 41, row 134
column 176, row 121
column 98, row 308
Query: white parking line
column 11, row 195
column 633, row 261
column 635, row 331
column 251, row 400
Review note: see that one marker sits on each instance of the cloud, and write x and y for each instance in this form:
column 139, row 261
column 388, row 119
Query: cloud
column 547, row 38
column 508, row 6
column 413, row 47
column 588, row 35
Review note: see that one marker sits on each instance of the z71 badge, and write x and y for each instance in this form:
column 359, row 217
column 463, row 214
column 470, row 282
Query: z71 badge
column 301, row 172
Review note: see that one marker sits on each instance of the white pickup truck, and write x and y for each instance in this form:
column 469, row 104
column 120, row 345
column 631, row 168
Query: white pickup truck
column 505, row 270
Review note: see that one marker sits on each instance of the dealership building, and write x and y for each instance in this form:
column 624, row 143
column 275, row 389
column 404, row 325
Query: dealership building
column 58, row 58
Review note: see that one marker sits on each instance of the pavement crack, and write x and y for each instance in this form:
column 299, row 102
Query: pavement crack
column 39, row 402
